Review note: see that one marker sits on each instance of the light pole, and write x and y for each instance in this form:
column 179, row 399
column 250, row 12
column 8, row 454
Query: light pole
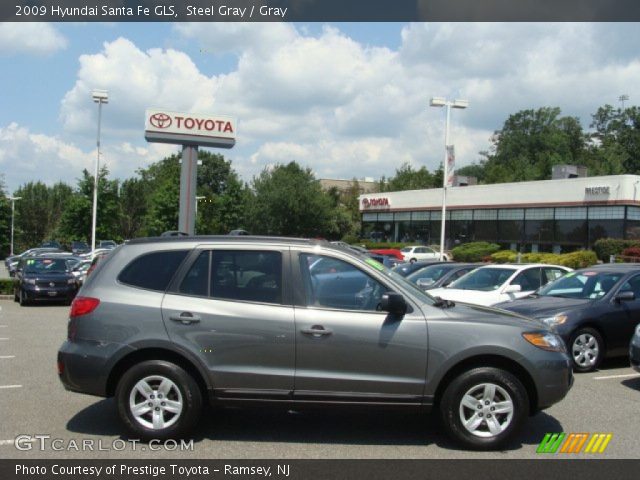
column 99, row 97
column 443, row 102
column 13, row 211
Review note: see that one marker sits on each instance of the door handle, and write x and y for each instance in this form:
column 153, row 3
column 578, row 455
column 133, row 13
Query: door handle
column 186, row 318
column 316, row 331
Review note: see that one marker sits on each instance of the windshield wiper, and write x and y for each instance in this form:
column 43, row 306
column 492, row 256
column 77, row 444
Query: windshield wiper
column 442, row 303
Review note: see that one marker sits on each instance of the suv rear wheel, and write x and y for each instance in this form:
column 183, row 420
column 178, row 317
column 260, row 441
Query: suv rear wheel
column 158, row 400
column 482, row 408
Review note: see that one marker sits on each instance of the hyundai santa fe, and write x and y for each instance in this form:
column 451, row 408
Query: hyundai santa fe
column 167, row 325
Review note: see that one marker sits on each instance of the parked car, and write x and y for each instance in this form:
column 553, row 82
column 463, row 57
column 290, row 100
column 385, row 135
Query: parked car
column 95, row 261
column 420, row 252
column 78, row 247
column 405, row 269
column 388, row 261
column 595, row 310
column 44, row 279
column 493, row 284
column 164, row 325
column 388, row 251
column 634, row 350
column 80, row 271
column 32, row 252
column 440, row 274
column 51, row 244
column 238, row 232
column 107, row 244
column 174, row 233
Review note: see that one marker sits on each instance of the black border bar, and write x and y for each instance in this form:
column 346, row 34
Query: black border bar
column 320, row 10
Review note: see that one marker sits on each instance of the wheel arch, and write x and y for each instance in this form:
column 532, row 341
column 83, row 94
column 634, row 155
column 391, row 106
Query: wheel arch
column 495, row 361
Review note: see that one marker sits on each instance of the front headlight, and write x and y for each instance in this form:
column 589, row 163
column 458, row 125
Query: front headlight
column 30, row 281
column 555, row 320
column 71, row 281
column 545, row 340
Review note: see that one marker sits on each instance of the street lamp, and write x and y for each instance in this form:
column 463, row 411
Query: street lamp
column 13, row 211
column 443, row 102
column 99, row 97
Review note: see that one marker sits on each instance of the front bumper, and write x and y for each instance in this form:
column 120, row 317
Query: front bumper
column 53, row 294
column 554, row 378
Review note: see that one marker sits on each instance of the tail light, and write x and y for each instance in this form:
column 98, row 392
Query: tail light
column 83, row 305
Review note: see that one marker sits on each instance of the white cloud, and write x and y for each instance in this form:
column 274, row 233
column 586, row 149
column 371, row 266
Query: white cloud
column 30, row 38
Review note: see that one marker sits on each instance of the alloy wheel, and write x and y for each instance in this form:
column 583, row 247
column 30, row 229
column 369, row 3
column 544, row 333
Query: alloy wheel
column 155, row 402
column 486, row 410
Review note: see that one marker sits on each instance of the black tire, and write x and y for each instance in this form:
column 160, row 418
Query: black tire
column 577, row 339
column 506, row 384
column 22, row 299
column 189, row 395
column 15, row 296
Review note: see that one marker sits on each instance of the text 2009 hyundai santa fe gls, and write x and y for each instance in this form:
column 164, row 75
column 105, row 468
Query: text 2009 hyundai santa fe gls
column 167, row 324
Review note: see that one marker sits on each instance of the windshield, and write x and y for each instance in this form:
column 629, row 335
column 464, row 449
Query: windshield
column 583, row 285
column 430, row 275
column 45, row 265
column 483, row 279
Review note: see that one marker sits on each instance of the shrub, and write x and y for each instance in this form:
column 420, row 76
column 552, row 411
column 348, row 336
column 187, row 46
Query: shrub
column 474, row 252
column 504, row 256
column 351, row 239
column 6, row 286
column 578, row 259
column 631, row 252
column 605, row 247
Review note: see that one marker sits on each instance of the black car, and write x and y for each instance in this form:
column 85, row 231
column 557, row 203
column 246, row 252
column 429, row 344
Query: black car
column 14, row 261
column 44, row 279
column 440, row 274
column 406, row 269
column 51, row 244
column 78, row 247
column 595, row 310
column 634, row 350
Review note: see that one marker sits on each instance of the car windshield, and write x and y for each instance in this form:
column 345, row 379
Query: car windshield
column 45, row 265
column 430, row 275
column 483, row 279
column 585, row 284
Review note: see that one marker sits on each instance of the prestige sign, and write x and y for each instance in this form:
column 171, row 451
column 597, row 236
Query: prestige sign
column 164, row 126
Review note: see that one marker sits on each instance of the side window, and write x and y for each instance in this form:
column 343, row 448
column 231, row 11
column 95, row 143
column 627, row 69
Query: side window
column 253, row 276
column 528, row 280
column 552, row 274
column 633, row 285
column 346, row 288
column 196, row 281
column 153, row 271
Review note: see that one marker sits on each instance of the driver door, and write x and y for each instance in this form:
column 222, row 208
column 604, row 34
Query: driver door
column 346, row 348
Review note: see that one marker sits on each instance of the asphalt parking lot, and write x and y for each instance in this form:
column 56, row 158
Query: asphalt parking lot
column 33, row 402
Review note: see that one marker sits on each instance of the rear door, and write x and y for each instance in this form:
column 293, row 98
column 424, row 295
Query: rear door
column 346, row 348
column 230, row 307
column 619, row 325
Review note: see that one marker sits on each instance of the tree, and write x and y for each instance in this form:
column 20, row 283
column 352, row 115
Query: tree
column 407, row 178
column 31, row 217
column 616, row 139
column 5, row 220
column 288, row 200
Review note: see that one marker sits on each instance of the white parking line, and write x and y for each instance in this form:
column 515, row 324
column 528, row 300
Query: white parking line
column 7, row 356
column 3, row 326
column 10, row 386
column 7, row 442
column 4, row 339
column 617, row 376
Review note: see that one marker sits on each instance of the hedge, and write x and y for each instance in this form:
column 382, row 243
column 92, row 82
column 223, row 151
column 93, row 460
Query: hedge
column 6, row 286
column 577, row 259
column 605, row 247
column 474, row 251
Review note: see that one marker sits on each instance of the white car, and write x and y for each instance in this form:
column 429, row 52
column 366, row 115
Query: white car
column 419, row 252
column 493, row 284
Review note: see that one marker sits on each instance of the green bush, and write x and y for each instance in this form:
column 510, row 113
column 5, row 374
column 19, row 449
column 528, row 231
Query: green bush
column 605, row 247
column 351, row 239
column 375, row 245
column 474, row 252
column 6, row 286
column 578, row 259
column 504, row 256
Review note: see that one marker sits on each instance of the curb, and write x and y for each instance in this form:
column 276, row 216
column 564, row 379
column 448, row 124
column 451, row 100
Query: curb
column 6, row 297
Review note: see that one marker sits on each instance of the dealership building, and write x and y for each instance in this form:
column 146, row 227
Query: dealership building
column 557, row 215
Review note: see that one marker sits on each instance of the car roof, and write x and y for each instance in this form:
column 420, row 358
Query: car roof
column 234, row 239
column 612, row 267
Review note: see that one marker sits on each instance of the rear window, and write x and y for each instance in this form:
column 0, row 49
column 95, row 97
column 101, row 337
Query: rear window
column 153, row 271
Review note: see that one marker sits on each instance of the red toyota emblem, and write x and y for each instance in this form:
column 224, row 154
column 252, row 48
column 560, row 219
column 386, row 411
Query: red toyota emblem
column 160, row 120
column 365, row 202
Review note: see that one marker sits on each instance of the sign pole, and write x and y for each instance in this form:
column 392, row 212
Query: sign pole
column 188, row 184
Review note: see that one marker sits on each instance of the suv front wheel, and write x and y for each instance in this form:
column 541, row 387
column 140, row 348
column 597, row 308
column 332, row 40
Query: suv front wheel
column 482, row 408
column 158, row 400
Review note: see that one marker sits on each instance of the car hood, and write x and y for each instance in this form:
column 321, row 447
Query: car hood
column 541, row 307
column 460, row 295
column 490, row 315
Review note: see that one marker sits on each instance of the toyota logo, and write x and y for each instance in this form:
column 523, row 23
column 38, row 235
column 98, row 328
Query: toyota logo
column 51, row 284
column 365, row 202
column 160, row 120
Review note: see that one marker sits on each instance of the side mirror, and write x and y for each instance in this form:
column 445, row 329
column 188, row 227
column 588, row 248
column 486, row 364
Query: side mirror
column 424, row 282
column 512, row 289
column 393, row 302
column 625, row 296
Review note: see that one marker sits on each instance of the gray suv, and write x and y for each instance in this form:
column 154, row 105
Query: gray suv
column 168, row 324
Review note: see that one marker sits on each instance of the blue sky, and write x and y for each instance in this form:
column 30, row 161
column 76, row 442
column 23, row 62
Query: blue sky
column 347, row 100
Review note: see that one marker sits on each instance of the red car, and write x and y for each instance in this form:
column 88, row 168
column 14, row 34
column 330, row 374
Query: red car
column 389, row 251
